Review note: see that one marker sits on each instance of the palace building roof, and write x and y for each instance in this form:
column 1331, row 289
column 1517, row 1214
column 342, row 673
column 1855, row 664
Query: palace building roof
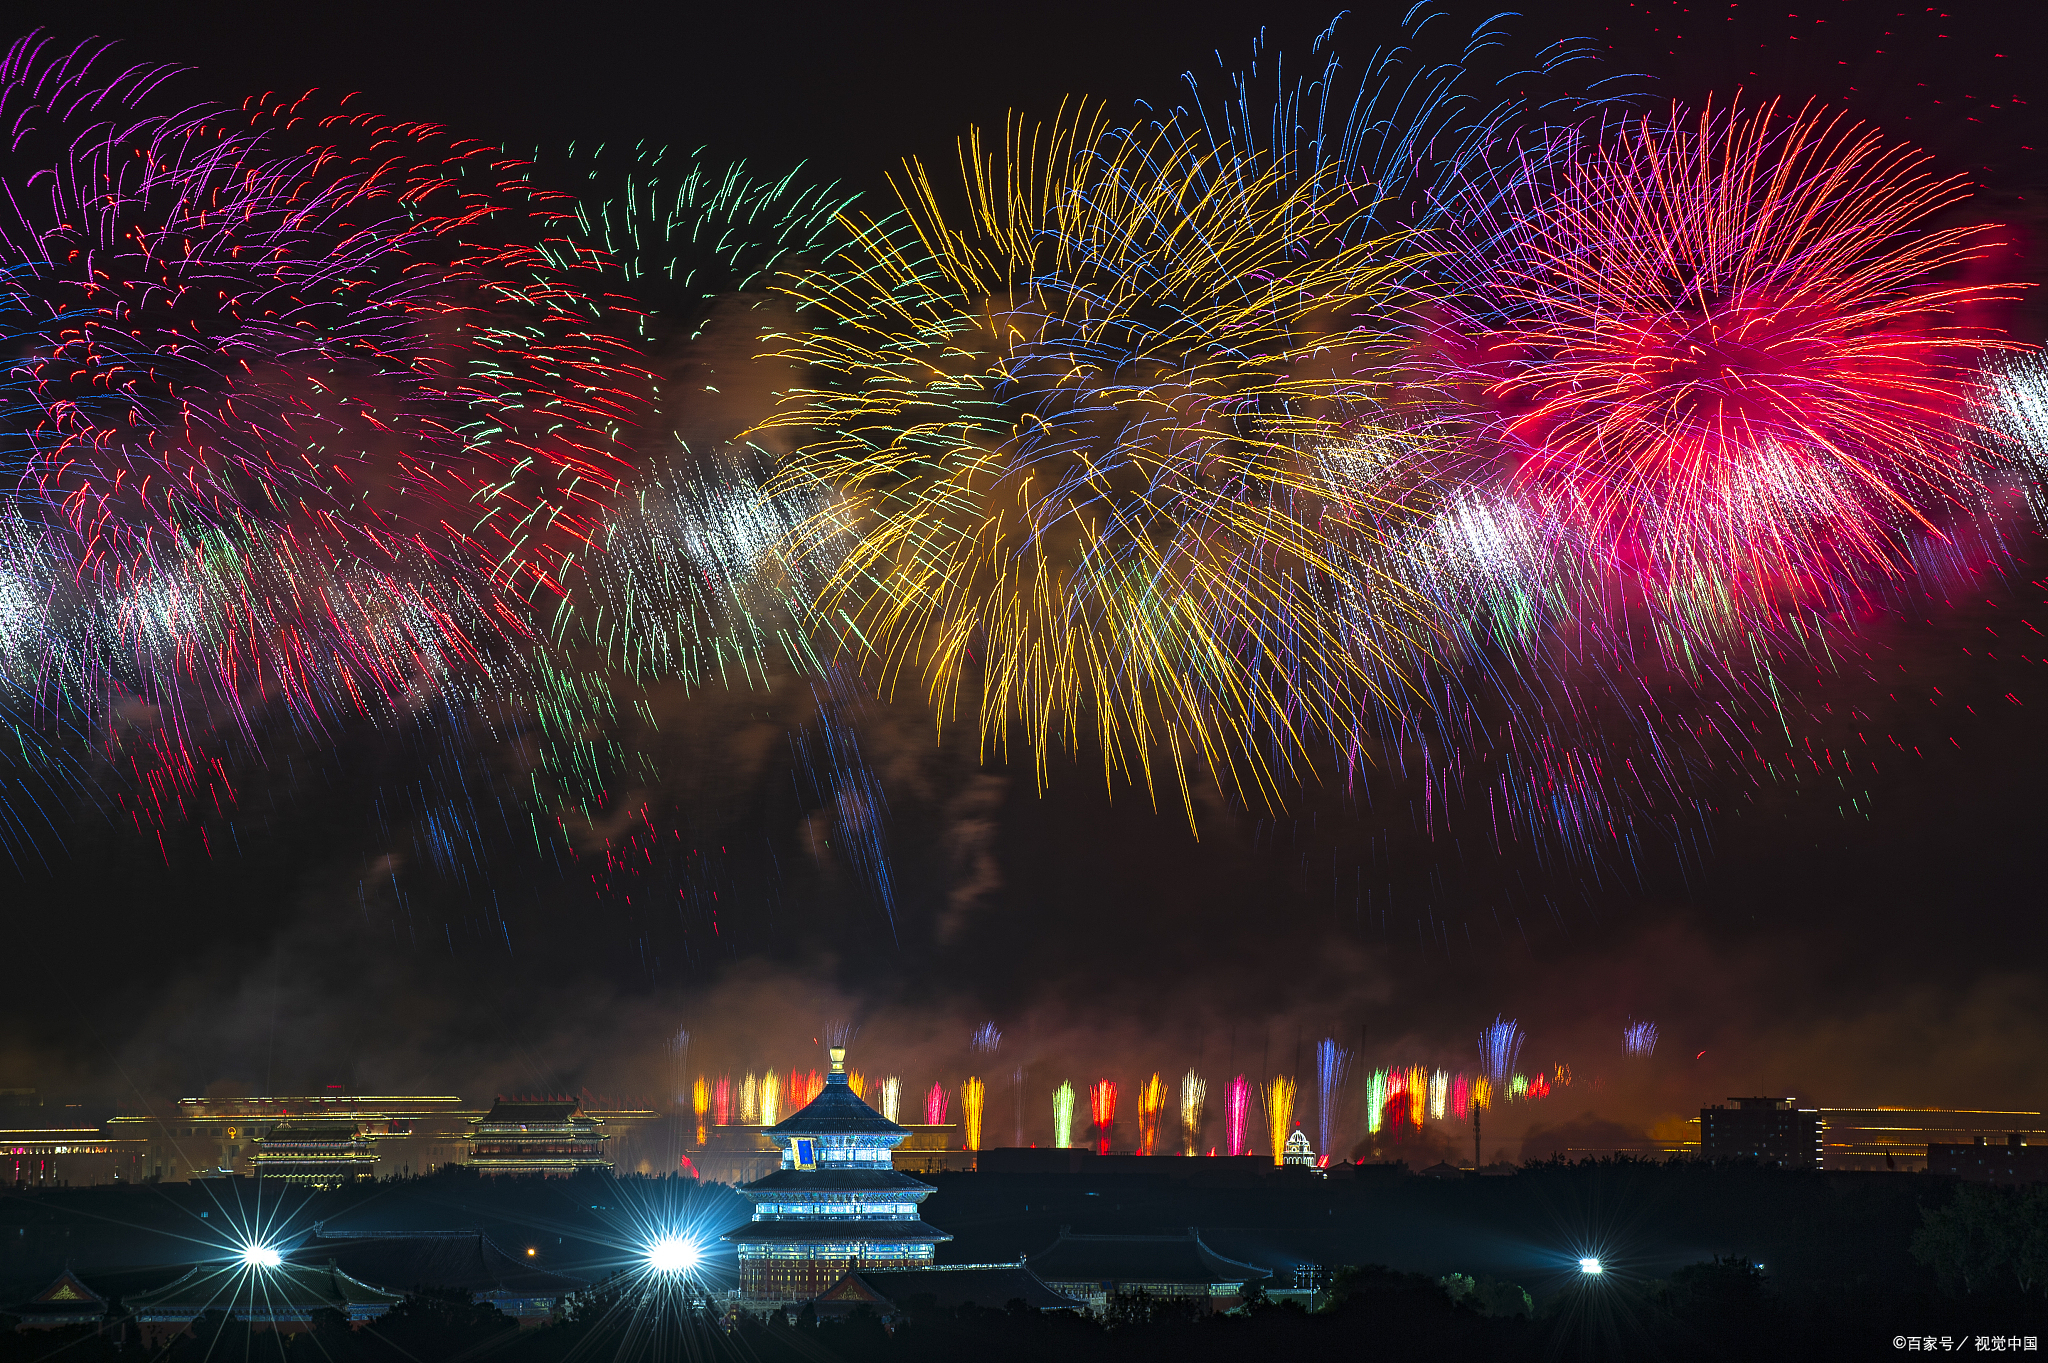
column 520, row 1112
column 836, row 1111
column 833, row 1230
column 289, row 1292
column 467, row 1261
column 1177, row 1259
column 837, row 1180
column 66, row 1301
column 951, row 1286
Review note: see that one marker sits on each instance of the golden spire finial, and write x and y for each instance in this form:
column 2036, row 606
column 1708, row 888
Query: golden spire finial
column 838, row 1054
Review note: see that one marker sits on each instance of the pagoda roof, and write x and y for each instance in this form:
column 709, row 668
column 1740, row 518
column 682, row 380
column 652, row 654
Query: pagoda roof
column 827, row 1180
column 288, row 1291
column 1138, row 1259
column 468, row 1261
column 831, row 1231
column 837, row 1110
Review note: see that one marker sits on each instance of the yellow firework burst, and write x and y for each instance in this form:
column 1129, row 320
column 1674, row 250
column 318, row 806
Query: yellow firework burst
column 1104, row 437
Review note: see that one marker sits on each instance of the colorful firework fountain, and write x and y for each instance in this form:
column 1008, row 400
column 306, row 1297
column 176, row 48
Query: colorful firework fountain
column 1194, row 1091
column 1102, row 1112
column 972, row 1094
column 1279, row 1096
column 1237, row 1106
column 1151, row 1105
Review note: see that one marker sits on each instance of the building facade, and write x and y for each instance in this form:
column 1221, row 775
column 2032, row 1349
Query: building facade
column 2010, row 1161
column 1768, row 1129
column 836, row 1204
column 318, row 1153
column 549, row 1138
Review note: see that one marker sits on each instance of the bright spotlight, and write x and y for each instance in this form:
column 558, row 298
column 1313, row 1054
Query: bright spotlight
column 672, row 1254
column 261, row 1256
column 1590, row 1266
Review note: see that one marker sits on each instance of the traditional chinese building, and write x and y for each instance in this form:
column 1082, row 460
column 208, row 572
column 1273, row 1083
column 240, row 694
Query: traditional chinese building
column 524, row 1137
column 466, row 1261
column 284, row 1299
column 65, row 1302
column 1299, row 1151
column 836, row 1205
column 315, row 1153
column 1093, row 1266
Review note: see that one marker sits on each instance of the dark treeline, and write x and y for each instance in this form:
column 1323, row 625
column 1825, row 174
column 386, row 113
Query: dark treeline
column 1790, row 1264
column 1718, row 1309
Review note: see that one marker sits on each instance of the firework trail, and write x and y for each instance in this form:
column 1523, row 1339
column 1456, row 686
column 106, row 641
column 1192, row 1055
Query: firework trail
column 972, row 1094
column 1461, row 1096
column 700, row 1104
column 1279, row 1098
column 858, row 1082
column 1376, row 1094
column 1237, row 1103
column 987, row 1039
column 1063, row 1115
column 1151, row 1105
column 1500, row 1045
column 1194, row 1092
column 1639, row 1038
column 1439, row 1095
column 892, row 1098
column 750, row 1101
column 935, row 1105
column 771, row 1098
column 1102, row 1112
column 721, row 1102
column 1333, row 1064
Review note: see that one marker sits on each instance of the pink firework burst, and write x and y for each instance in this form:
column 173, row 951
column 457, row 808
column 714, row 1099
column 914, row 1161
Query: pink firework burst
column 1724, row 351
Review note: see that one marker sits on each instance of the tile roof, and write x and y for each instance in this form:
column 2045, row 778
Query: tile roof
column 1138, row 1259
column 832, row 1231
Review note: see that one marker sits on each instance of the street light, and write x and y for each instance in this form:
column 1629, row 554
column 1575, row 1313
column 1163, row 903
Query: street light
column 261, row 1256
column 1590, row 1266
column 673, row 1254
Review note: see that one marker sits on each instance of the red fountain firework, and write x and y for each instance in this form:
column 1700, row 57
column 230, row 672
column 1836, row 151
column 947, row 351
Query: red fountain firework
column 1721, row 354
column 935, row 1106
column 1461, row 1096
column 1237, row 1105
column 1102, row 1109
column 721, row 1101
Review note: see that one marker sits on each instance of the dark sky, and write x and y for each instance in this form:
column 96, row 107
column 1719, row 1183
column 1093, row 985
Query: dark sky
column 1887, row 954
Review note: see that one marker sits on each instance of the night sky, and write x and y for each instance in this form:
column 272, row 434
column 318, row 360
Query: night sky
column 1887, row 953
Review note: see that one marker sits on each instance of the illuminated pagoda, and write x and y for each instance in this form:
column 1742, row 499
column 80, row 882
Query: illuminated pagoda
column 521, row 1136
column 837, row 1203
column 316, row 1153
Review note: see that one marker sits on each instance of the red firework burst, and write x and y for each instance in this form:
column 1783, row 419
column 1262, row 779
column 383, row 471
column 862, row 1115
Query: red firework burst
column 1723, row 350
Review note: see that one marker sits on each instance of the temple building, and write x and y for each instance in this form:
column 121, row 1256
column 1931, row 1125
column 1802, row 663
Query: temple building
column 1091, row 1267
column 464, row 1261
column 284, row 1299
column 523, row 1137
column 835, row 1206
column 315, row 1153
